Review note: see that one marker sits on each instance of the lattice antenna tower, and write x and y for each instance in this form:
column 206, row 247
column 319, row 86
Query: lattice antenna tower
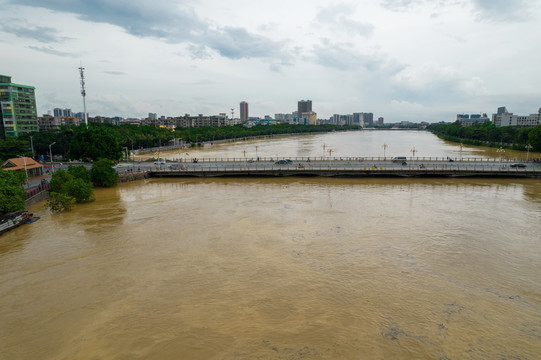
column 83, row 91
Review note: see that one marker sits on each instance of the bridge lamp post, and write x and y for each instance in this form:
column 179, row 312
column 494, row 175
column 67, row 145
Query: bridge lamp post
column 461, row 152
column 256, row 154
column 528, row 153
column 385, row 146
column 51, row 152
column 413, row 151
column 501, row 151
column 330, row 156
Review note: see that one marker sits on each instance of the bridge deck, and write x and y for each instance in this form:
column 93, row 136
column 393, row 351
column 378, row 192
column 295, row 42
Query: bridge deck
column 344, row 171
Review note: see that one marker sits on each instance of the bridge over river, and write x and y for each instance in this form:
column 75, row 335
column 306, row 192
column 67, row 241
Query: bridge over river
column 340, row 167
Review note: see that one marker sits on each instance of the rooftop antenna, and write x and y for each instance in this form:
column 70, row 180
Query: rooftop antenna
column 83, row 91
column 233, row 111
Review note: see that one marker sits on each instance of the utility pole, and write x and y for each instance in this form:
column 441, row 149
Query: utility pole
column 32, row 145
column 83, row 91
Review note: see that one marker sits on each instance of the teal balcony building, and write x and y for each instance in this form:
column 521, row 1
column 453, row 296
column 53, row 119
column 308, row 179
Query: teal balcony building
column 18, row 113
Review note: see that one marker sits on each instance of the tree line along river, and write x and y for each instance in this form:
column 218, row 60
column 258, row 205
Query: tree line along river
column 282, row 268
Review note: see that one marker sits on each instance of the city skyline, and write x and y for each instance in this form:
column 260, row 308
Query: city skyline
column 403, row 60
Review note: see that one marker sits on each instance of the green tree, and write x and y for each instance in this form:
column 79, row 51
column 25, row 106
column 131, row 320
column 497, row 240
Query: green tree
column 58, row 182
column 67, row 189
column 12, row 194
column 534, row 138
column 12, row 148
column 58, row 202
column 80, row 172
column 103, row 173
column 93, row 143
column 80, row 190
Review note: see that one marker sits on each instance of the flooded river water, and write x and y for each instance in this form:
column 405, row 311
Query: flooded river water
column 285, row 268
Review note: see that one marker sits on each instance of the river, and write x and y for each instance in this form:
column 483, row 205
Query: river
column 282, row 268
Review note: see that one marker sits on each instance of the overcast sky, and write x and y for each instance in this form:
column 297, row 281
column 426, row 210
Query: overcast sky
column 416, row 60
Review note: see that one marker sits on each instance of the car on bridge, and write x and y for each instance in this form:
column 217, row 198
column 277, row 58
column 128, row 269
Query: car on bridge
column 518, row 165
column 282, row 162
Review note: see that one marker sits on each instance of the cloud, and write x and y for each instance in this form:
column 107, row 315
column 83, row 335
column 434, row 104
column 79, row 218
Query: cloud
column 51, row 51
column 42, row 34
column 343, row 56
column 338, row 18
column 115, row 72
column 170, row 22
column 516, row 10
column 237, row 43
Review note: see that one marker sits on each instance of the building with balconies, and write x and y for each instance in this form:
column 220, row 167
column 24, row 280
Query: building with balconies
column 18, row 112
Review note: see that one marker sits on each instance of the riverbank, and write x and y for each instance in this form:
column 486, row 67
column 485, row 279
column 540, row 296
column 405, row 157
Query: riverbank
column 139, row 152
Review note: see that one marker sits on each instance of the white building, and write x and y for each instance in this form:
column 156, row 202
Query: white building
column 509, row 119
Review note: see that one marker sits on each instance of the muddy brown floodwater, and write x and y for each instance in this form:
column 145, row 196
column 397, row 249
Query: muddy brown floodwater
column 286, row 268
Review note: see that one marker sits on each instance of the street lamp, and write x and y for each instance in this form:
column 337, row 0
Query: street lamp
column 528, row 153
column 256, row 154
column 25, row 171
column 51, row 152
column 501, row 151
column 460, row 152
column 32, row 145
column 385, row 146
column 413, row 151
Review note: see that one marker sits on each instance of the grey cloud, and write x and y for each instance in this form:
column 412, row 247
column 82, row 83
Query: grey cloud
column 115, row 72
column 397, row 5
column 337, row 17
column 199, row 51
column 169, row 21
column 237, row 43
column 341, row 56
column 516, row 10
column 40, row 33
column 51, row 51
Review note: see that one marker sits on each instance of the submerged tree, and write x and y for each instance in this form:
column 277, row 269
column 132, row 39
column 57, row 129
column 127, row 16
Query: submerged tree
column 103, row 173
column 67, row 189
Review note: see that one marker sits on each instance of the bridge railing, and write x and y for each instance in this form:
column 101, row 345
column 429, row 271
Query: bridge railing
column 185, row 160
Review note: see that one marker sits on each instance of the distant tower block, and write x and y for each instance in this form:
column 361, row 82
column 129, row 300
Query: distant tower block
column 243, row 111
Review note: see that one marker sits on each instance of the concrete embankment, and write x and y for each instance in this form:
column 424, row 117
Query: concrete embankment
column 132, row 176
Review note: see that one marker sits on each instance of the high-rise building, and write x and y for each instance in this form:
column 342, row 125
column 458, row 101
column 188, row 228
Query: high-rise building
column 18, row 112
column 367, row 119
column 304, row 106
column 243, row 111
column 63, row 112
column 501, row 110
